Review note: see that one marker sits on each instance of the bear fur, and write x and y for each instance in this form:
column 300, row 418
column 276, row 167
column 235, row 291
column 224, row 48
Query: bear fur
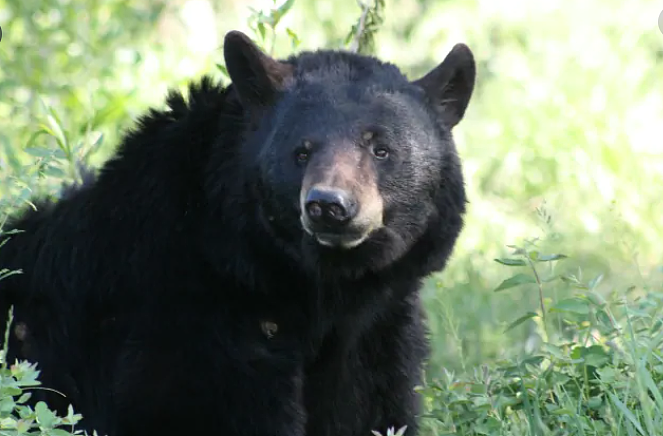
column 203, row 282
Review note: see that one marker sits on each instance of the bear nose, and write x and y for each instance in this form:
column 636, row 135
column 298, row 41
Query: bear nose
column 330, row 206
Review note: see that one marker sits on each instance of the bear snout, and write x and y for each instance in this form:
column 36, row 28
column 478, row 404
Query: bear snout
column 337, row 217
column 330, row 207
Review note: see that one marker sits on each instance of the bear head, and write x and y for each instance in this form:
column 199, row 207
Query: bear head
column 351, row 164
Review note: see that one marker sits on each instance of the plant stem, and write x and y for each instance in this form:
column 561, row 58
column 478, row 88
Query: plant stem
column 354, row 47
column 539, row 283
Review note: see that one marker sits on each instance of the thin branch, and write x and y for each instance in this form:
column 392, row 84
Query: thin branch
column 361, row 27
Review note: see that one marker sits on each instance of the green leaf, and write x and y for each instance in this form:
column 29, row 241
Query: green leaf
column 38, row 152
column 550, row 257
column 56, row 124
column 595, row 298
column 573, row 281
column 261, row 29
column 554, row 350
column 594, row 403
column 72, row 418
column 279, row 12
column 45, row 417
column 6, row 405
column 8, row 423
column 522, row 319
column 511, row 262
column 488, row 427
column 350, row 34
column 533, row 360
column 627, row 413
column 595, row 282
column 518, row 279
column 59, row 432
column 23, row 425
column 11, row 391
column 223, row 70
column 293, row 37
column 573, row 305
column 595, row 356
column 648, row 381
column 94, row 147
column 54, row 171
column 563, row 411
column 23, row 398
column 608, row 374
column 97, row 142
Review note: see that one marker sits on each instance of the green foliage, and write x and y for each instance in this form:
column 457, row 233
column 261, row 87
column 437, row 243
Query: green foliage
column 362, row 35
column 260, row 21
column 48, row 67
column 598, row 370
column 16, row 417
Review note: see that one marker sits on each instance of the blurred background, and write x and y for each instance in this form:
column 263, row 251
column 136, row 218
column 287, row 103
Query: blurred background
column 562, row 142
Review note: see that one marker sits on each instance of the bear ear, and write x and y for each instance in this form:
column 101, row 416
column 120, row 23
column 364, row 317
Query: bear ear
column 450, row 84
column 256, row 76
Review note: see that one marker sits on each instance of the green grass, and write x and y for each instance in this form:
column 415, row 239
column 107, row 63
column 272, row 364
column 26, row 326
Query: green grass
column 561, row 148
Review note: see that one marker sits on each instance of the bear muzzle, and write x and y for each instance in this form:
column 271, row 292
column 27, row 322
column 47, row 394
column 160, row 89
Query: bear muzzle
column 336, row 217
column 331, row 208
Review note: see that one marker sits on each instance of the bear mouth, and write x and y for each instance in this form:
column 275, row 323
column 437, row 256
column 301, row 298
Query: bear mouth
column 333, row 240
column 342, row 240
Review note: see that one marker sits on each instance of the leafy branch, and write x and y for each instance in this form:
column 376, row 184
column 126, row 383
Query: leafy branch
column 362, row 35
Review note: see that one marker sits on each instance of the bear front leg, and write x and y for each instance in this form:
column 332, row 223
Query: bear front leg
column 261, row 402
column 353, row 389
column 393, row 352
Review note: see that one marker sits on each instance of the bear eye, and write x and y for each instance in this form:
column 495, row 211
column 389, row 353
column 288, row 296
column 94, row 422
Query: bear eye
column 301, row 155
column 381, row 152
column 303, row 152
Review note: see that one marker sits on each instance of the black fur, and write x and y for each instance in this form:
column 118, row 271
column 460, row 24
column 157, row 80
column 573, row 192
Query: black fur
column 177, row 294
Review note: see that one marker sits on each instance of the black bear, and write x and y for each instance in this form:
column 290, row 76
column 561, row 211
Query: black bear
column 248, row 263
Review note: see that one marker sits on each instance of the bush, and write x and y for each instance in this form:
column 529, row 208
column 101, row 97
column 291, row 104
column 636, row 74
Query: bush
column 598, row 369
column 16, row 418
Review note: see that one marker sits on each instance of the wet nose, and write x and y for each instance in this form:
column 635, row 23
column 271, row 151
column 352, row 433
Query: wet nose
column 330, row 206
